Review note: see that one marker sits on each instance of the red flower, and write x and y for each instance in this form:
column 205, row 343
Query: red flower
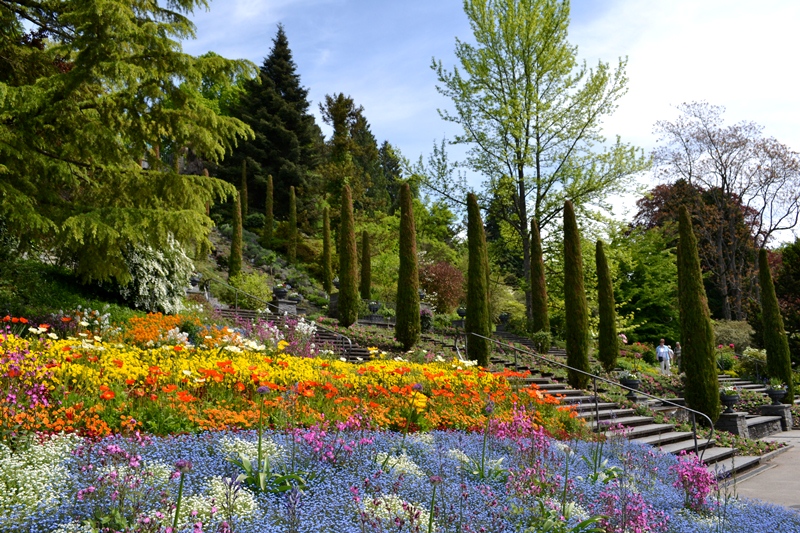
column 177, row 348
column 118, row 363
column 66, row 319
column 107, row 395
column 15, row 320
column 169, row 388
column 23, row 320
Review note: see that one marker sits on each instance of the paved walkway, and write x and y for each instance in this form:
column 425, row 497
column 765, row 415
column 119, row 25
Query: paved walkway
column 779, row 481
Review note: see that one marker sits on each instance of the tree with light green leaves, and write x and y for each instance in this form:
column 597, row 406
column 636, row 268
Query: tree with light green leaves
column 109, row 92
column 532, row 114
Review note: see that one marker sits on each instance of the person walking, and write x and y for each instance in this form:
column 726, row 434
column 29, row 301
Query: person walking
column 662, row 353
column 678, row 355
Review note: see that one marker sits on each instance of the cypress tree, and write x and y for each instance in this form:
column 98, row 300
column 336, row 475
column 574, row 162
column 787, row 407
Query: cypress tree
column 348, row 263
column 269, row 219
column 366, row 267
column 291, row 248
column 478, row 319
column 243, row 188
column 779, row 362
column 575, row 306
column 541, row 320
column 407, row 325
column 699, row 359
column 327, row 273
column 235, row 259
column 608, row 343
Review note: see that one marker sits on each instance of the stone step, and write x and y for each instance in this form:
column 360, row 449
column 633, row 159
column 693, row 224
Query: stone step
column 625, row 421
column 590, row 406
column 687, row 446
column 571, row 400
column 759, row 427
column 607, row 413
column 562, row 392
column 716, row 454
column 730, row 467
column 662, row 439
column 644, row 430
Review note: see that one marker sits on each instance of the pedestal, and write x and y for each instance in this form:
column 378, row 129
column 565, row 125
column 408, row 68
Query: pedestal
column 783, row 410
column 333, row 305
column 735, row 423
column 286, row 306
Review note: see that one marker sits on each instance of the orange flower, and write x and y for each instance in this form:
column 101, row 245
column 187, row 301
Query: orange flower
column 177, row 347
column 15, row 320
column 66, row 348
column 66, row 319
column 184, row 396
column 107, row 395
column 239, row 386
column 118, row 363
column 23, row 320
column 169, row 388
column 130, row 381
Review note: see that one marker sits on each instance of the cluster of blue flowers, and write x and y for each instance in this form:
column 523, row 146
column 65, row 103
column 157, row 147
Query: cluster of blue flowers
column 438, row 481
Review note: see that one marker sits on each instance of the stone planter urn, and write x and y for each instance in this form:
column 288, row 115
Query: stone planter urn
column 776, row 395
column 373, row 307
column 280, row 292
column 728, row 401
column 631, row 384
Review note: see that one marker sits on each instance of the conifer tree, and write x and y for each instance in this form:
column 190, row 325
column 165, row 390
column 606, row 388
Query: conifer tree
column 348, row 263
column 327, row 273
column 243, row 189
column 235, row 259
column 779, row 362
column 478, row 319
column 575, row 305
column 366, row 267
column 407, row 324
column 291, row 248
column 699, row 360
column 269, row 219
column 541, row 319
column 608, row 343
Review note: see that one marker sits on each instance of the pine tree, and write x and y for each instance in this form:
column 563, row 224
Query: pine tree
column 478, row 319
column 291, row 247
column 699, row 360
column 366, row 267
column 235, row 259
column 327, row 273
column 541, row 319
column 348, row 263
column 608, row 343
column 269, row 219
column 243, row 189
column 407, row 324
column 779, row 362
column 576, row 307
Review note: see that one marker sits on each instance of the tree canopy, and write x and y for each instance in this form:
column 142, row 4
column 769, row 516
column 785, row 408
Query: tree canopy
column 87, row 93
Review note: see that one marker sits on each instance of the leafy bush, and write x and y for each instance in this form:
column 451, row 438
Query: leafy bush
column 159, row 277
column 736, row 332
column 542, row 340
column 726, row 359
column 254, row 221
column 444, row 285
column 752, row 363
column 425, row 319
column 256, row 284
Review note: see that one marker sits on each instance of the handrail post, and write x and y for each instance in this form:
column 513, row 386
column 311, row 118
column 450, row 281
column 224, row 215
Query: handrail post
column 596, row 406
column 694, row 432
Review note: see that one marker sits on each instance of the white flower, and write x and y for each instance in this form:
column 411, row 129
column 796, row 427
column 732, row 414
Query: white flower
column 83, row 323
column 343, row 359
column 98, row 339
column 234, row 349
column 52, row 336
column 398, row 465
column 388, row 508
column 187, row 372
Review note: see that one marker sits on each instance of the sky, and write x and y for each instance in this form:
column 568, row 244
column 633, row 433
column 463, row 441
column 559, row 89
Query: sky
column 738, row 54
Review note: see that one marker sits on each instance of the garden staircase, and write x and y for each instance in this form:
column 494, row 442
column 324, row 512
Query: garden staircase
column 641, row 428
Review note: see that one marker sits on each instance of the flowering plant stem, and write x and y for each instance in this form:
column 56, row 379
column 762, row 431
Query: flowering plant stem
column 178, row 504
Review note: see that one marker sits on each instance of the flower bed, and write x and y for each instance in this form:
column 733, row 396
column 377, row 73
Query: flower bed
column 358, row 480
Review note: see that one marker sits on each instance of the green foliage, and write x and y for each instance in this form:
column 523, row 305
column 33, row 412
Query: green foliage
column 256, row 284
column 235, row 259
column 269, row 218
column 366, row 262
column 243, row 189
column 608, row 342
column 725, row 359
column 736, row 332
column 254, row 221
column 779, row 364
column 444, row 285
column 535, row 140
column 478, row 319
column 698, row 357
column 575, row 306
column 348, row 263
column 327, row 268
column 81, row 112
column 753, row 363
column 542, row 340
column 291, row 246
column 540, row 317
column 407, row 325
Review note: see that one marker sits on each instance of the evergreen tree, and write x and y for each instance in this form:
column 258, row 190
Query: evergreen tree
column 366, row 267
column 269, row 219
column 243, row 189
column 407, row 325
column 327, row 273
column 541, row 319
column 699, row 359
column 287, row 138
column 291, row 247
column 779, row 363
column 608, row 343
column 82, row 108
column 235, row 259
column 348, row 263
column 575, row 305
column 478, row 319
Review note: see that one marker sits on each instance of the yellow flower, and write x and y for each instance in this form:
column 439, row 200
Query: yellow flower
column 282, row 345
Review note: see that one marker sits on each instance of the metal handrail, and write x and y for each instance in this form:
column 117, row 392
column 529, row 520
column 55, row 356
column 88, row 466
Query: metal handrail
column 277, row 310
column 595, row 377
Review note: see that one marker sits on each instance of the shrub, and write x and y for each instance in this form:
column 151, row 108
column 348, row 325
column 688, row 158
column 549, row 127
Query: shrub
column 407, row 325
column 444, row 285
column 425, row 319
column 779, row 364
column 608, row 342
column 256, row 284
column 348, row 263
column 575, row 304
column 736, row 332
column 726, row 360
column 235, row 259
column 477, row 319
column 269, row 219
column 753, row 363
column 158, row 278
column 540, row 320
column 254, row 221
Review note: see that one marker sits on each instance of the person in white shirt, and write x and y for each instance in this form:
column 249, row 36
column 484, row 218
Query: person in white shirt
column 663, row 352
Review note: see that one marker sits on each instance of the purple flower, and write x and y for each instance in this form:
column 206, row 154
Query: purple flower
column 183, row 466
column 263, row 390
